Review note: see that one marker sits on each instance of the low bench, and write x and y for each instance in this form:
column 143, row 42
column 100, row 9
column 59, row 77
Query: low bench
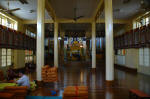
column 137, row 94
column 7, row 96
column 20, row 92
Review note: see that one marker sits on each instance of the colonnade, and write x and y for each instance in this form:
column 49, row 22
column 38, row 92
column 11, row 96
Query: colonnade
column 108, row 35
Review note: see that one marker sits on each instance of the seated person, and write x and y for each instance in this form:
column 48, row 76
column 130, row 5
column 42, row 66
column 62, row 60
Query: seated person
column 23, row 80
column 11, row 74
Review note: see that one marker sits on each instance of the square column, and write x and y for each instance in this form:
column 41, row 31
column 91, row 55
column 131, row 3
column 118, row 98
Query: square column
column 109, row 41
column 40, row 37
column 56, row 44
column 93, row 45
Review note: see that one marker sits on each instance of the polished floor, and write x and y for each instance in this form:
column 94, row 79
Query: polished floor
column 79, row 73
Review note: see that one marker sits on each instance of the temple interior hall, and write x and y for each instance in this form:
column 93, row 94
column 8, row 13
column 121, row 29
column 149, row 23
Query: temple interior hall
column 74, row 49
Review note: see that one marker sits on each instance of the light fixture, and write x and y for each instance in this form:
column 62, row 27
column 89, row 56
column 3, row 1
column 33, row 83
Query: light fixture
column 59, row 38
column 81, row 46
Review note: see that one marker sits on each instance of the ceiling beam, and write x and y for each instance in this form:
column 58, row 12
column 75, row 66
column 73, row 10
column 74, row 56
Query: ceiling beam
column 139, row 15
column 98, row 10
column 50, row 9
column 115, row 21
column 35, row 21
column 84, row 20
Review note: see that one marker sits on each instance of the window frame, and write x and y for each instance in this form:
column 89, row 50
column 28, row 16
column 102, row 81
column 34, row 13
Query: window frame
column 5, row 19
column 6, row 57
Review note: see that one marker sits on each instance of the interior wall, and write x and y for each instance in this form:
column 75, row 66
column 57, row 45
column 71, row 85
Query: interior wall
column 19, row 55
column 21, row 27
column 19, row 59
column 144, row 61
column 132, row 58
column 144, row 70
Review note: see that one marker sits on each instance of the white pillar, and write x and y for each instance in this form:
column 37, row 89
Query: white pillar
column 109, row 40
column 56, row 44
column 40, row 37
column 93, row 45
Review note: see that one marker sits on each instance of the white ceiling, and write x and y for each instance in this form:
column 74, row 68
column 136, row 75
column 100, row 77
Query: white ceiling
column 24, row 13
column 126, row 10
column 65, row 8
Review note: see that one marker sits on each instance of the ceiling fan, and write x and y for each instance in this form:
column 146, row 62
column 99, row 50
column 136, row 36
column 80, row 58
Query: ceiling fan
column 9, row 10
column 126, row 1
column 144, row 5
column 123, row 2
column 23, row 1
column 75, row 15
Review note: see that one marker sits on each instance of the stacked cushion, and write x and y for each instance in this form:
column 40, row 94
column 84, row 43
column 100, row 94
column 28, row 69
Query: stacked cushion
column 72, row 92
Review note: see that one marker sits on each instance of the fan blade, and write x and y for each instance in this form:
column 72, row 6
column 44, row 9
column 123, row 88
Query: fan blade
column 4, row 10
column 11, row 10
column 79, row 17
column 126, row 1
column 23, row 1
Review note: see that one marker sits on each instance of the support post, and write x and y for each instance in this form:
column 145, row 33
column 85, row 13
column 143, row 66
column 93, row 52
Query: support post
column 40, row 37
column 56, row 44
column 109, row 41
column 93, row 45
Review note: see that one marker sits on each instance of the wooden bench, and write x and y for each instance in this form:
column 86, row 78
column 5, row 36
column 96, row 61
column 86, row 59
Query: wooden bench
column 19, row 91
column 137, row 94
column 6, row 96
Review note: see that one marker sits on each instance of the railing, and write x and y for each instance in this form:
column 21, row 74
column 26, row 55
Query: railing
column 13, row 39
column 136, row 38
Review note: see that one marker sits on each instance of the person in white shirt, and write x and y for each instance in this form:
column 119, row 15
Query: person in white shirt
column 24, row 80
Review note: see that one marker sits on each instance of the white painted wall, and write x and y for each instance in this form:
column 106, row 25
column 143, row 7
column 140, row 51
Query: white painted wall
column 19, row 58
column 132, row 58
column 144, row 61
column 120, row 59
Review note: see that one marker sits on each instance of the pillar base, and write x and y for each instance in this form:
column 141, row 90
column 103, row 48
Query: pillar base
column 39, row 83
column 93, row 69
column 109, row 83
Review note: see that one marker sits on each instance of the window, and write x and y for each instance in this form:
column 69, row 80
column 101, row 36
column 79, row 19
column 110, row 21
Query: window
column 7, row 21
column 141, row 21
column 147, row 21
column 144, row 57
column 28, row 56
column 9, row 57
column 31, row 34
column 6, row 57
